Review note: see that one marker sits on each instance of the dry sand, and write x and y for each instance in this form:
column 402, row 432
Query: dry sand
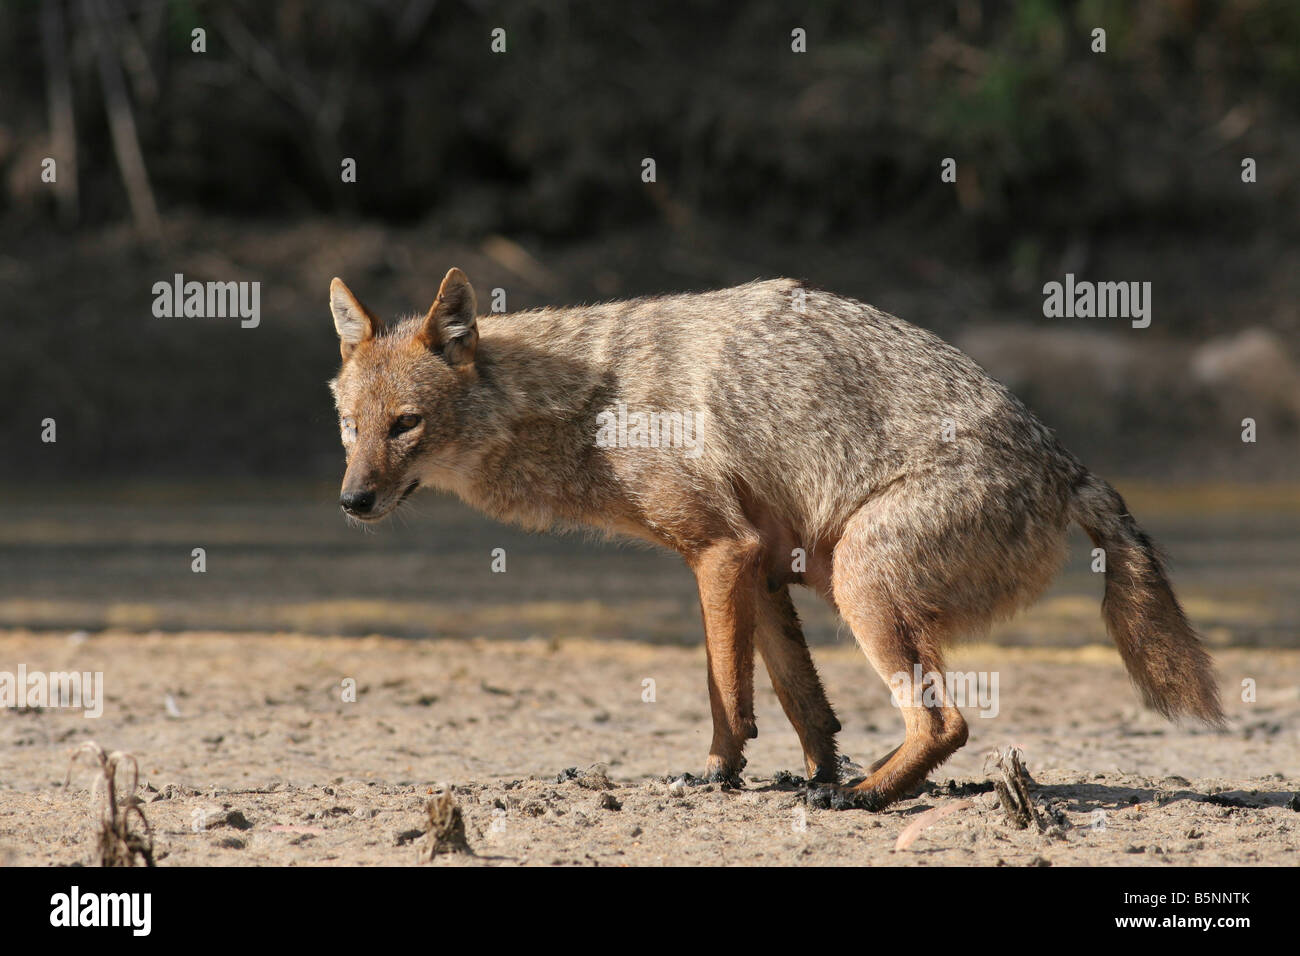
column 249, row 756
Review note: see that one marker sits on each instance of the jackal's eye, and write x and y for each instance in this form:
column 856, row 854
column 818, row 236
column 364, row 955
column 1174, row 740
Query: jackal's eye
column 403, row 423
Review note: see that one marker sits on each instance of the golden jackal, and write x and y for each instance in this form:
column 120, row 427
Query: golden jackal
column 772, row 434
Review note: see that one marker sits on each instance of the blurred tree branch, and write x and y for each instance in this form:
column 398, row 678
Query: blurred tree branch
column 63, row 124
column 121, row 121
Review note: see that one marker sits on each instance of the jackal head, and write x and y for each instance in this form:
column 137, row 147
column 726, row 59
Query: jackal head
column 401, row 395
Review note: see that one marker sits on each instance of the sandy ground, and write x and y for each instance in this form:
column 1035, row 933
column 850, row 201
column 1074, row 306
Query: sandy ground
column 249, row 755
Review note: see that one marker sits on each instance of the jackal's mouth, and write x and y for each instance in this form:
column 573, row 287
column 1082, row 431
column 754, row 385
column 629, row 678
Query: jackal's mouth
column 397, row 503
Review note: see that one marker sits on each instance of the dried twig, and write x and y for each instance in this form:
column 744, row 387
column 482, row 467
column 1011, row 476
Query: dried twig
column 119, row 844
column 1013, row 788
column 446, row 828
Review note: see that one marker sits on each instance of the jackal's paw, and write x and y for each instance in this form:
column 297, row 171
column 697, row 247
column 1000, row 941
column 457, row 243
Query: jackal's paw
column 724, row 773
column 827, row 771
column 833, row 797
column 727, row 780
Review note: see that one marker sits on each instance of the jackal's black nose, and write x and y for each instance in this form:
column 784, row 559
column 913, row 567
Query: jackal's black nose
column 357, row 502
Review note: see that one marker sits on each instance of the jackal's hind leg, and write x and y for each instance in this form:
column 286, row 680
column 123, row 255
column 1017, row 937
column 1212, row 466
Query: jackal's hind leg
column 934, row 726
column 902, row 634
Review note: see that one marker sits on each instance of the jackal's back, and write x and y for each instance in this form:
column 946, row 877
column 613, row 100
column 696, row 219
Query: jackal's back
column 817, row 401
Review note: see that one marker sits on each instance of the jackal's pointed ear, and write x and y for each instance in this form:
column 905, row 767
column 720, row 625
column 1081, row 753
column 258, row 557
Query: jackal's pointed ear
column 352, row 320
column 450, row 328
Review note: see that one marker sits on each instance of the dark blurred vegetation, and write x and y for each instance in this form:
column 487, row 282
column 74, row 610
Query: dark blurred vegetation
column 540, row 141
column 824, row 165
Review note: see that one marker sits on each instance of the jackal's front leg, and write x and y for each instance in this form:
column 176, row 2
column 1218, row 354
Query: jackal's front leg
column 725, row 573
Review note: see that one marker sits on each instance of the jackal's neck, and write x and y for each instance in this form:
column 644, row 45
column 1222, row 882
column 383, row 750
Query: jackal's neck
column 536, row 363
column 531, row 425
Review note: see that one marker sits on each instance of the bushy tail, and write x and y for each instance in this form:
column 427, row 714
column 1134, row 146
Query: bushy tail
column 1161, row 651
